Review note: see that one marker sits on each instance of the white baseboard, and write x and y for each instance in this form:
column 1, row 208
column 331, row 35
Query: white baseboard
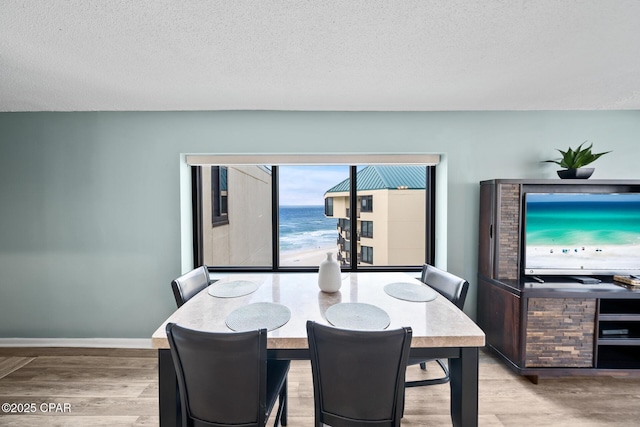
column 77, row 342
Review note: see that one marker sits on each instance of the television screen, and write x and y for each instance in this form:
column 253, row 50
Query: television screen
column 582, row 234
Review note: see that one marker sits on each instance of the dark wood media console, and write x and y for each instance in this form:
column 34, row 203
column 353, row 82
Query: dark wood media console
column 559, row 327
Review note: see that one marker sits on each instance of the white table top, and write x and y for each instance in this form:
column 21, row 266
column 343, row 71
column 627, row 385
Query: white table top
column 436, row 323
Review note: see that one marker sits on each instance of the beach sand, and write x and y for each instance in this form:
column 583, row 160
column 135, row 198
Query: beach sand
column 588, row 257
column 311, row 258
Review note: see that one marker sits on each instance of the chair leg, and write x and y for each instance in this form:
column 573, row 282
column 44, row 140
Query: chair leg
column 281, row 415
column 433, row 381
column 444, row 368
column 285, row 403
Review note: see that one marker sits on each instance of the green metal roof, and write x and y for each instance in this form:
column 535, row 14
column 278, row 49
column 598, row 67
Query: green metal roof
column 385, row 177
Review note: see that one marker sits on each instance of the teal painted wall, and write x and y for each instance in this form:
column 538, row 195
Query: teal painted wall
column 90, row 219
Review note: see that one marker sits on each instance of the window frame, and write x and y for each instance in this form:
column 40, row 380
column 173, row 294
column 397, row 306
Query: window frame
column 353, row 264
column 219, row 197
column 369, row 229
column 366, row 203
column 328, row 206
column 369, row 252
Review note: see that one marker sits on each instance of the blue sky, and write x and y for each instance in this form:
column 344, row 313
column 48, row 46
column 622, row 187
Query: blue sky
column 306, row 185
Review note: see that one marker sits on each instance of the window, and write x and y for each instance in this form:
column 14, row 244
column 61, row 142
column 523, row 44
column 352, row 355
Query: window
column 366, row 204
column 366, row 229
column 328, row 206
column 219, row 194
column 307, row 224
column 283, row 217
column 232, row 215
column 367, row 254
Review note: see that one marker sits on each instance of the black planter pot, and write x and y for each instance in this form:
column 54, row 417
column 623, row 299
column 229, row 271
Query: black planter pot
column 580, row 173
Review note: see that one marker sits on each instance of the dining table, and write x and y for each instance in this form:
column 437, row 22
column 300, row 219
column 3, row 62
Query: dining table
column 283, row 302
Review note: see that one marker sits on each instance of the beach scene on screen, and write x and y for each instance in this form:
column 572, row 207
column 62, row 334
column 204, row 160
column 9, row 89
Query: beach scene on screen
column 582, row 231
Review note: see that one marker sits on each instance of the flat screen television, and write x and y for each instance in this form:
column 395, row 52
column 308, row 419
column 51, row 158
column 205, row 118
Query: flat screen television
column 581, row 234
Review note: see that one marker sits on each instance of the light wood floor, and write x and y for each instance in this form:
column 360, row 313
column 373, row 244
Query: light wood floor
column 119, row 388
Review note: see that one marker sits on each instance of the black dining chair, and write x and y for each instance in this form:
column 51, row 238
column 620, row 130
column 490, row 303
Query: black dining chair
column 358, row 376
column 189, row 284
column 455, row 290
column 225, row 379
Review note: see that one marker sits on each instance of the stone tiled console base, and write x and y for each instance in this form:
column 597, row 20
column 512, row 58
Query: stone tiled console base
column 560, row 332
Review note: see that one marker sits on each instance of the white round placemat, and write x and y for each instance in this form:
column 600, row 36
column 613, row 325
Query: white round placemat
column 410, row 291
column 257, row 316
column 357, row 316
column 232, row 289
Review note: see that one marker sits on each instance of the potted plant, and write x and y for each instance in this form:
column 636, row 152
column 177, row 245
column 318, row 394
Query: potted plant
column 574, row 160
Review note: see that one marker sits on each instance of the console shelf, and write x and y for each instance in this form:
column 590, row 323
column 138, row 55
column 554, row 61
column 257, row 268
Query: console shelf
column 554, row 327
column 623, row 317
column 618, row 334
column 619, row 357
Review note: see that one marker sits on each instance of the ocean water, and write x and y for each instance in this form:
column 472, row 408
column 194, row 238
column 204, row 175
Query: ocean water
column 583, row 223
column 305, row 228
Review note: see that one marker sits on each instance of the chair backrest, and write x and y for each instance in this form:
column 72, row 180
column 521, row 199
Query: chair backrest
column 358, row 376
column 189, row 284
column 222, row 377
column 449, row 285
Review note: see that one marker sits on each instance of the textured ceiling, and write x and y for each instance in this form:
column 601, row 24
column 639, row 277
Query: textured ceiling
column 82, row 55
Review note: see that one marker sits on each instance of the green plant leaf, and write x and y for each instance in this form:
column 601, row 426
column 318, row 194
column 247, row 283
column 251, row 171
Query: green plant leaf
column 577, row 158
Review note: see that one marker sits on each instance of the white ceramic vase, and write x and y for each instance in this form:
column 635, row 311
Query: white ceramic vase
column 329, row 279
